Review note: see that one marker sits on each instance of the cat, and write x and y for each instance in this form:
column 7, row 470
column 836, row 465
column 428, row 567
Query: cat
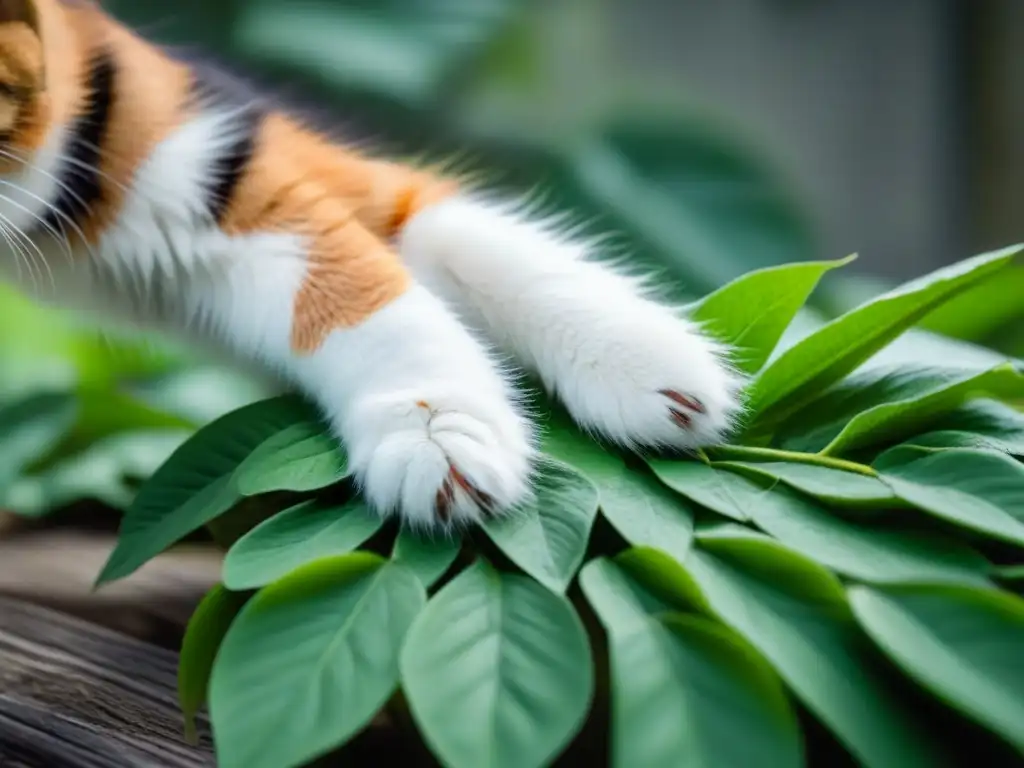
column 155, row 190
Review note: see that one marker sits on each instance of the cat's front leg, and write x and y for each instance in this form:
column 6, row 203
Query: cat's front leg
column 625, row 366
column 427, row 418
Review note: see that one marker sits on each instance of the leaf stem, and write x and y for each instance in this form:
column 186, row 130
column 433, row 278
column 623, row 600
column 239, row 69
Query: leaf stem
column 746, row 453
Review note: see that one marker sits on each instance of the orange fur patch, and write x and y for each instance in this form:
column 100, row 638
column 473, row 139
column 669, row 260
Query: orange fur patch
column 345, row 205
column 292, row 185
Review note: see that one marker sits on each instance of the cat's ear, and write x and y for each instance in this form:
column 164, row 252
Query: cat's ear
column 25, row 11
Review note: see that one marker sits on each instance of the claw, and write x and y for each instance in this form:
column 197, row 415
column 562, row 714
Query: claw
column 687, row 402
column 679, row 418
column 481, row 499
column 443, row 501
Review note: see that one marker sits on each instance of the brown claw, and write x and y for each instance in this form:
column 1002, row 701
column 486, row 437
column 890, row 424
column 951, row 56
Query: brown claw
column 687, row 402
column 680, row 418
column 481, row 499
column 443, row 501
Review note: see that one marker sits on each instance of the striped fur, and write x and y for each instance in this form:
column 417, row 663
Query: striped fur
column 160, row 192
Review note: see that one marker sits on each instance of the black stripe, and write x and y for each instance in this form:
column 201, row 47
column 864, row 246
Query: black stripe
column 226, row 171
column 217, row 89
column 79, row 172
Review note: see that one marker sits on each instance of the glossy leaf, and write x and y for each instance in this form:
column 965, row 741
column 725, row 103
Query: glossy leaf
column 548, row 536
column 983, row 424
column 652, row 583
column 794, row 612
column 428, row 558
column 751, row 313
column 979, row 490
column 860, row 551
column 724, row 492
column 962, row 644
column 196, row 483
column 203, row 636
column 297, row 536
column 837, row 348
column 834, row 486
column 683, row 686
column 886, row 406
column 497, row 671
column 302, row 457
column 977, row 313
column 310, row 660
column 640, row 508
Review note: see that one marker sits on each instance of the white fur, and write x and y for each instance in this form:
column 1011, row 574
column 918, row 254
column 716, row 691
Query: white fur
column 417, row 399
column 596, row 341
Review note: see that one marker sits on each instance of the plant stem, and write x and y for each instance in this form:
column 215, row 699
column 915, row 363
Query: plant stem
column 744, row 453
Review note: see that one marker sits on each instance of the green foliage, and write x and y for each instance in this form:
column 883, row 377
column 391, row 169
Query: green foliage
column 685, row 685
column 467, row 659
column 849, row 558
column 314, row 656
column 210, row 621
column 829, row 561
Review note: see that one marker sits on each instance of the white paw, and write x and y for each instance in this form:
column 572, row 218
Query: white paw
column 626, row 367
column 426, row 416
column 644, row 377
column 439, row 455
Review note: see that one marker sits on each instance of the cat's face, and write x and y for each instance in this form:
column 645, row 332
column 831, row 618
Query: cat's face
column 23, row 91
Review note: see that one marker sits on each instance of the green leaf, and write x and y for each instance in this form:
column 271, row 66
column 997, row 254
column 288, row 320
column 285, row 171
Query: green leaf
column 640, row 508
column 884, row 406
column 834, row 486
column 30, row 426
column 962, row 644
column 656, row 583
column 977, row 313
column 547, row 536
column 978, row 490
column 794, row 612
column 497, row 671
column 684, row 686
column 297, row 536
column 203, row 636
column 1011, row 573
column 871, row 554
column 196, row 484
column 723, row 492
column 429, row 559
column 310, row 660
column 646, row 513
column 404, row 52
column 983, row 424
column 705, row 207
column 302, row 457
column 104, row 471
column 751, row 313
column 837, row 348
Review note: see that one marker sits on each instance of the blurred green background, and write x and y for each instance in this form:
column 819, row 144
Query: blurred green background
column 710, row 138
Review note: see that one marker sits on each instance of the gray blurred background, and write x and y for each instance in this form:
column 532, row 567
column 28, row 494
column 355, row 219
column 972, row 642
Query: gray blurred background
column 895, row 124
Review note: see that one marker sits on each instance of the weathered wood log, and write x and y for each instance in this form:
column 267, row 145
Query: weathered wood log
column 76, row 695
column 57, row 568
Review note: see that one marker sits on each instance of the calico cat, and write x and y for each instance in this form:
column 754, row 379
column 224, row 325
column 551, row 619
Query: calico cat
column 155, row 190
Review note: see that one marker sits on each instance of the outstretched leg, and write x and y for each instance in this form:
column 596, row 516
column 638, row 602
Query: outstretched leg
column 427, row 418
column 625, row 366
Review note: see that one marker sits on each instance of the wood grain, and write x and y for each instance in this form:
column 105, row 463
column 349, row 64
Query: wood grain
column 76, row 695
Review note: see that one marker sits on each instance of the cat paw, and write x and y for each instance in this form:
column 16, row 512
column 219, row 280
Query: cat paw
column 650, row 379
column 440, row 457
